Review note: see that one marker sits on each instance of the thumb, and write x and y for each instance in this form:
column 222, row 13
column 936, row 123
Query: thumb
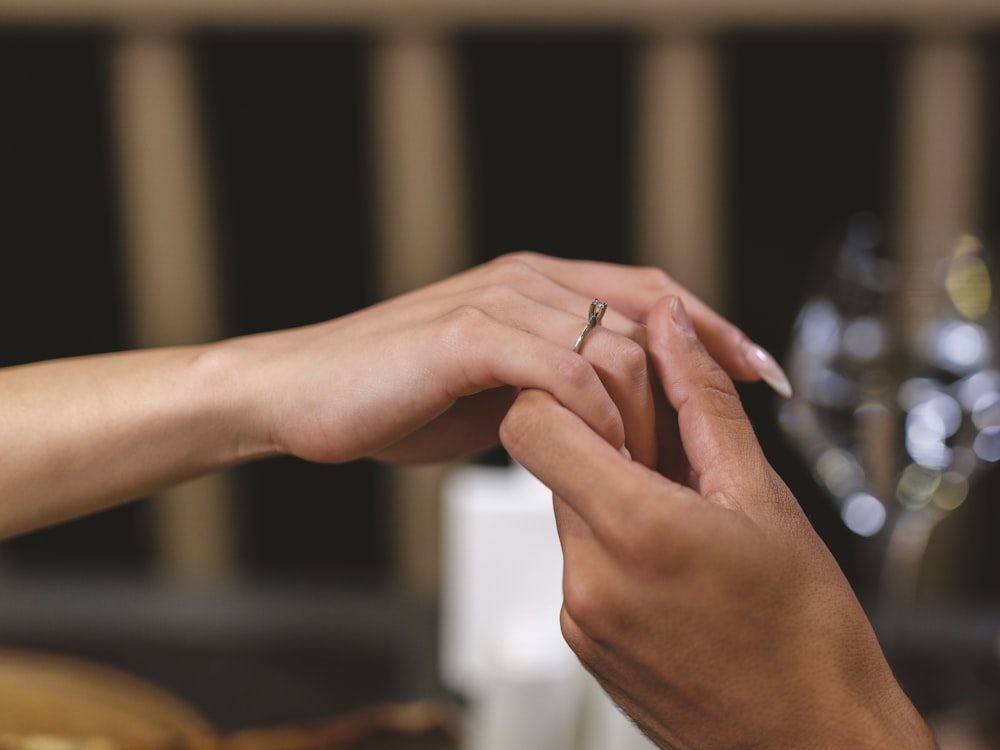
column 715, row 433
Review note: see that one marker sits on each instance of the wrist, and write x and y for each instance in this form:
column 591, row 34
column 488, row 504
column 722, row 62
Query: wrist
column 905, row 727
column 235, row 404
column 886, row 720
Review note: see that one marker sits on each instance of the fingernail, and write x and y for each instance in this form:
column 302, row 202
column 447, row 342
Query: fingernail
column 680, row 316
column 625, row 452
column 768, row 369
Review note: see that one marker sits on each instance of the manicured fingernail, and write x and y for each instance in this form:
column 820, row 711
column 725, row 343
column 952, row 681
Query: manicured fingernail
column 768, row 369
column 680, row 316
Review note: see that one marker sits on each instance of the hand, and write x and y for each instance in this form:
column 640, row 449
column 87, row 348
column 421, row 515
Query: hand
column 425, row 376
column 430, row 374
column 703, row 602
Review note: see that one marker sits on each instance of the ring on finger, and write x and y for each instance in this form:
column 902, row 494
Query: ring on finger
column 597, row 309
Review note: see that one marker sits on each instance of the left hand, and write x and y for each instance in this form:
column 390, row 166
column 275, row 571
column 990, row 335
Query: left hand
column 429, row 375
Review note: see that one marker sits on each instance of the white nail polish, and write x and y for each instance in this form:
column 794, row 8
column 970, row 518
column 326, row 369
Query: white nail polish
column 768, row 369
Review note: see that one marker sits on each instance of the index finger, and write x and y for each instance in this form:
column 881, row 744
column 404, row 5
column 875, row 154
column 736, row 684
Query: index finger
column 606, row 489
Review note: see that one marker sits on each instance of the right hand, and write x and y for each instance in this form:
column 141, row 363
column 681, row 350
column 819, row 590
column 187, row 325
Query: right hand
column 701, row 599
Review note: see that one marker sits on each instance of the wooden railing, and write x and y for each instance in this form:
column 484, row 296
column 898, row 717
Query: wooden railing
column 418, row 172
column 641, row 15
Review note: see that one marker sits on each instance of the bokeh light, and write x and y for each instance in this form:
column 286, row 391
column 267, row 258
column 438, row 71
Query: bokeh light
column 892, row 423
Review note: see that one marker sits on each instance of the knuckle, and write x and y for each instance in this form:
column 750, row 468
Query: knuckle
column 727, row 403
column 632, row 360
column 572, row 633
column 515, row 427
column 463, row 323
column 716, row 385
column 573, row 369
column 656, row 279
column 643, row 536
column 511, row 269
column 643, row 546
column 456, row 332
column 494, row 296
column 578, row 376
column 629, row 536
column 586, row 604
column 518, row 256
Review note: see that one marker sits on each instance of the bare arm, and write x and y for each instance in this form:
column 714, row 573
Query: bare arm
column 81, row 434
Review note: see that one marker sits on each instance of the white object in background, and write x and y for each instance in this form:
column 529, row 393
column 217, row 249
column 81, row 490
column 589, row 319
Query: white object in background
column 501, row 642
column 531, row 700
column 501, row 563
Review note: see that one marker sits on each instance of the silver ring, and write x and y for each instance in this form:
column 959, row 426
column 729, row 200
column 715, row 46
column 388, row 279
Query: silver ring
column 597, row 309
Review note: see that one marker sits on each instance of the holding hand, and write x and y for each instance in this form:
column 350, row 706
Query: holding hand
column 701, row 599
column 429, row 375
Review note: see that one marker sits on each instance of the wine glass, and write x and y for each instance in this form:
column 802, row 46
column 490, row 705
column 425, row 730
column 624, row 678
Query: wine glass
column 897, row 418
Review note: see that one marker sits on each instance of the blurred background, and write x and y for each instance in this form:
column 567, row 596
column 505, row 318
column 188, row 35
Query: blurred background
column 176, row 172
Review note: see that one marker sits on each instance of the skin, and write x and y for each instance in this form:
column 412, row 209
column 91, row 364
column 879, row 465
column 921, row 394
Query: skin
column 696, row 591
column 422, row 377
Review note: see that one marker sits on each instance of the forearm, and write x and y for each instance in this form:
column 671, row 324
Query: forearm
column 79, row 435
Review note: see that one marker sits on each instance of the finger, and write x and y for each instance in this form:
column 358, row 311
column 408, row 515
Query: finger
column 623, row 367
column 519, row 274
column 489, row 354
column 620, row 361
column 672, row 461
column 468, row 427
column 635, row 290
column 632, row 289
column 611, row 493
column 718, row 439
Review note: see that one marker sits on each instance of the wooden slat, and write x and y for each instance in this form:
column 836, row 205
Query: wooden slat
column 678, row 162
column 421, row 210
column 422, row 239
column 170, row 272
column 940, row 127
column 638, row 14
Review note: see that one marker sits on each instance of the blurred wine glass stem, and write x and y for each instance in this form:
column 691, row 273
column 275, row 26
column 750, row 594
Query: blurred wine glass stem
column 906, row 545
